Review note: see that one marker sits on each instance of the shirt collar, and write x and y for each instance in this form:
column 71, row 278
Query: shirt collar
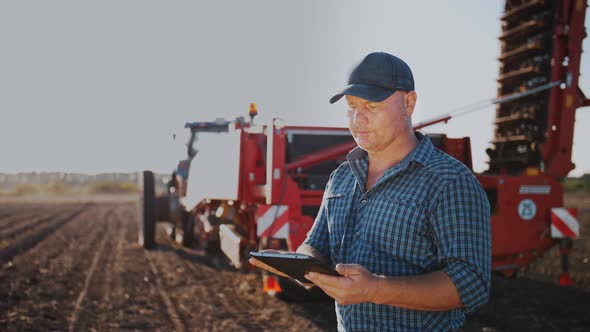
column 421, row 153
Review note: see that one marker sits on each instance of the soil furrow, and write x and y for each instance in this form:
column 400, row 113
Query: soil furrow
column 141, row 307
column 28, row 224
column 20, row 216
column 90, row 274
column 214, row 298
column 123, row 295
column 31, row 240
column 105, row 297
column 45, row 252
column 237, row 311
column 115, row 296
column 182, row 285
column 11, row 209
column 170, row 309
column 32, row 297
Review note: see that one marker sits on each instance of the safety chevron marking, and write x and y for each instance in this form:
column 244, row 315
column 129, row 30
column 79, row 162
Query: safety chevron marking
column 273, row 221
column 564, row 223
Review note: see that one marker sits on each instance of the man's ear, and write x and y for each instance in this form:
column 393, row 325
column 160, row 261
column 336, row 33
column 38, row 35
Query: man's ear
column 410, row 102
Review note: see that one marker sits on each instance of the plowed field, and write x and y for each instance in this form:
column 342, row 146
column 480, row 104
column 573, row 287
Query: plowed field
column 78, row 267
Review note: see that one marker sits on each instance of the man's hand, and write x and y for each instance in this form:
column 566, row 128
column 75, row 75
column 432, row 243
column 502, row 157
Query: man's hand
column 356, row 285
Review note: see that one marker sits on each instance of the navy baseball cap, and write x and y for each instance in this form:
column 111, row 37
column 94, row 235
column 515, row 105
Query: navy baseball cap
column 377, row 77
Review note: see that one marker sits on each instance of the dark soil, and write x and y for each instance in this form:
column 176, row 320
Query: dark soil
column 78, row 267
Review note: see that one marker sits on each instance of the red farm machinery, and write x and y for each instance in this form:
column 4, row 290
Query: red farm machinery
column 246, row 187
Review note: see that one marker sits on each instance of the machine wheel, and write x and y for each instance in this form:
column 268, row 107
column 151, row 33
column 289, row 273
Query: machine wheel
column 147, row 229
column 188, row 232
column 162, row 204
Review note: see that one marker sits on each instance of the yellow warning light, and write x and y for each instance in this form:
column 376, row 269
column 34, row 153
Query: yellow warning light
column 253, row 109
column 532, row 171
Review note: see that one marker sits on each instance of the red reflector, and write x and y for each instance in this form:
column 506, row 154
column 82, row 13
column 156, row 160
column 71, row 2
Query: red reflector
column 271, row 285
column 565, row 279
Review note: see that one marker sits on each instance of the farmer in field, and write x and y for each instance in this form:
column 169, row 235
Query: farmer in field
column 406, row 225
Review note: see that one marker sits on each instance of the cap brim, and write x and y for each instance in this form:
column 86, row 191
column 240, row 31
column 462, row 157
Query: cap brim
column 365, row 91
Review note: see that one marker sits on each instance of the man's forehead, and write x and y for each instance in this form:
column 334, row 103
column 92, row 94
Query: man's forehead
column 355, row 99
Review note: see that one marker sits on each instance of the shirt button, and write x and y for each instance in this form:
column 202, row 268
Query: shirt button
column 364, row 201
column 357, row 234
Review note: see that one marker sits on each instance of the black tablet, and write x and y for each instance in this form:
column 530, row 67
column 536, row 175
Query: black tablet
column 294, row 265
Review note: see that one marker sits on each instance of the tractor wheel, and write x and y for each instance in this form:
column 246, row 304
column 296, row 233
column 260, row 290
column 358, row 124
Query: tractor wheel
column 147, row 229
column 162, row 208
column 188, row 232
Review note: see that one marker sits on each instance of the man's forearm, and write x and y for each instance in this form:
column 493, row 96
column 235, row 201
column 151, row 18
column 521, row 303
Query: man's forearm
column 434, row 292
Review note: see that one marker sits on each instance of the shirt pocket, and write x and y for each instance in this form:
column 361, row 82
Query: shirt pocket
column 337, row 211
column 395, row 230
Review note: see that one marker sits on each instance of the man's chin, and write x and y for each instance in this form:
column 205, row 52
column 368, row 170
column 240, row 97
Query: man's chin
column 364, row 145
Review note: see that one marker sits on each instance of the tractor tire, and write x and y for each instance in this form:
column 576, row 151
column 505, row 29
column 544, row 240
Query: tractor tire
column 188, row 231
column 147, row 229
column 162, row 208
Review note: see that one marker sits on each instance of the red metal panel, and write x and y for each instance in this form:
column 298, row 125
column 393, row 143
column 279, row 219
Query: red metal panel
column 277, row 169
column 567, row 42
column 282, row 190
column 311, row 197
column 459, row 148
column 314, row 128
column 518, row 238
column 252, row 168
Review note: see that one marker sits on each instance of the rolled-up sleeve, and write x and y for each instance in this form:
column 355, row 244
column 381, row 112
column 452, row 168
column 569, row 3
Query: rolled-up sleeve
column 461, row 222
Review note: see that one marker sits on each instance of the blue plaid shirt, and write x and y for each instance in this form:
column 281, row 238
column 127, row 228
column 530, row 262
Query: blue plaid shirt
column 426, row 213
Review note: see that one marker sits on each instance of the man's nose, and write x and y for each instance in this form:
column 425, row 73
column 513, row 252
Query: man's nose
column 360, row 115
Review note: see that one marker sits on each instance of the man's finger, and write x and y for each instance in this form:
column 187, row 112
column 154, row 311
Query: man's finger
column 325, row 280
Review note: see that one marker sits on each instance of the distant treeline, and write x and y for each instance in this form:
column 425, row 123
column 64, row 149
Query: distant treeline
column 55, row 183
column 577, row 184
column 58, row 188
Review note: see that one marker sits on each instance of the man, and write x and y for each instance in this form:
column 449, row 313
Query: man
column 406, row 225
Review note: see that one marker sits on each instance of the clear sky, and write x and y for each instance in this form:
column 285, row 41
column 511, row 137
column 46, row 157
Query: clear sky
column 102, row 86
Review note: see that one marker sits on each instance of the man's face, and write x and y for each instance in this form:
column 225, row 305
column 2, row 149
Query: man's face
column 376, row 125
